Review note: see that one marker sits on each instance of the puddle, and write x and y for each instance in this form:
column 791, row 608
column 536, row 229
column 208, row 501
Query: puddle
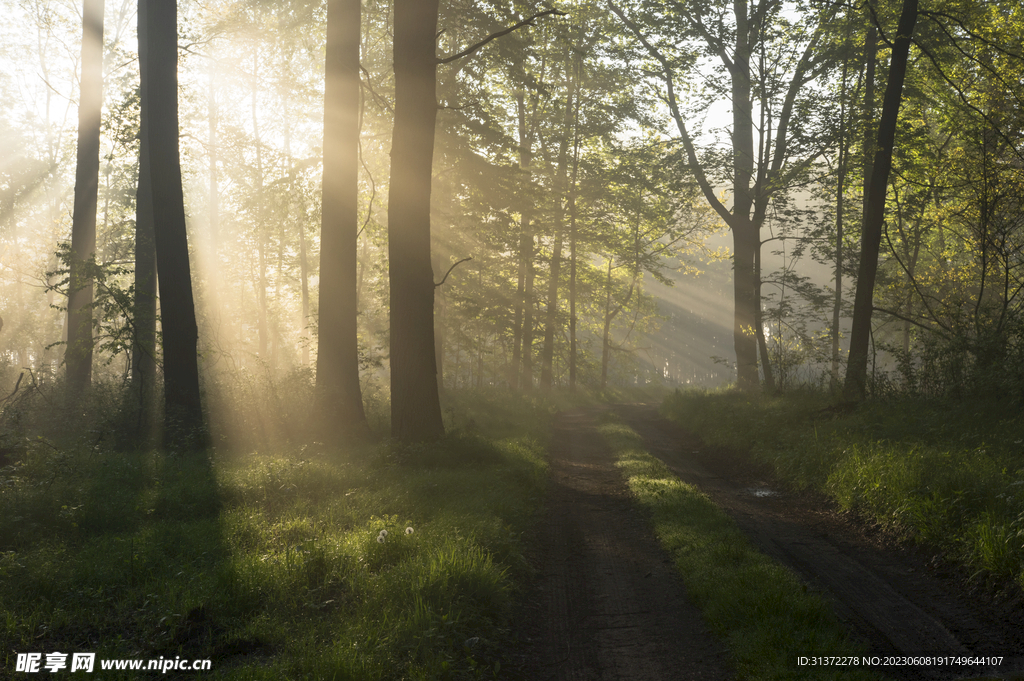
column 762, row 491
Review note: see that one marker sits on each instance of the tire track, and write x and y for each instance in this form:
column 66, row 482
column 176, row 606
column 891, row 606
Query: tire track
column 606, row 604
column 889, row 598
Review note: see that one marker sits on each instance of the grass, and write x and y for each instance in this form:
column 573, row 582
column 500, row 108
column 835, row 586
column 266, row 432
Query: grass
column 272, row 564
column 946, row 474
column 763, row 612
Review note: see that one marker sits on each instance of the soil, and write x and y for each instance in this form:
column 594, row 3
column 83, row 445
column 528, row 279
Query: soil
column 606, row 604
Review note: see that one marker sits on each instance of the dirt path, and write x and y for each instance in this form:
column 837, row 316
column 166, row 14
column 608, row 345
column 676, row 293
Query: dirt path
column 890, row 597
column 606, row 604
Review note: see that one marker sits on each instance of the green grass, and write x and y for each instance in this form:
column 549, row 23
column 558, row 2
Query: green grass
column 763, row 612
column 269, row 564
column 947, row 474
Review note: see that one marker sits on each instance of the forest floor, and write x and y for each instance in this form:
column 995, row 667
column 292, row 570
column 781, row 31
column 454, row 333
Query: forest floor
column 607, row 604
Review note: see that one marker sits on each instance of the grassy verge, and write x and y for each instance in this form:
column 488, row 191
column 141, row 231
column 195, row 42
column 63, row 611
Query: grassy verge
column 758, row 607
column 948, row 474
column 274, row 565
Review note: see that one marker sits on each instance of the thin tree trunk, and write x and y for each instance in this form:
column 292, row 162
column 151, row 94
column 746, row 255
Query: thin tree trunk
column 871, row 236
column 304, row 277
column 607, row 326
column 526, row 382
column 183, row 416
column 78, row 355
column 561, row 177
column 415, row 407
column 840, row 191
column 339, row 397
column 762, row 343
column 262, row 330
column 523, row 330
column 572, row 263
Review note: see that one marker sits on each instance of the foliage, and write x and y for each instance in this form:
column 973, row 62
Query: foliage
column 272, row 563
column 944, row 473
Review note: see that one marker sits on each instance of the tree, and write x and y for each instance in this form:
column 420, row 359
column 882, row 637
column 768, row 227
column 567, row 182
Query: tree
column 767, row 63
column 337, row 376
column 183, row 416
column 83, row 231
column 874, row 209
column 144, row 311
column 415, row 405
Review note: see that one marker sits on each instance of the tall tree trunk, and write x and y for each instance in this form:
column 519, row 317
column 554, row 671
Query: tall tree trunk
column 561, row 177
column 304, row 277
column 339, row 397
column 144, row 307
column 523, row 320
column 874, row 211
column 83, row 228
column 415, row 407
column 840, row 191
column 262, row 328
column 572, row 264
column 746, row 233
column 526, row 381
column 183, row 415
column 606, row 332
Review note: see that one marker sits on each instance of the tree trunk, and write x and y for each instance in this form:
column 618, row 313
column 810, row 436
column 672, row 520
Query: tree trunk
column 526, row 381
column 874, row 211
column 523, row 330
column 262, row 331
column 840, row 191
column 606, row 331
column 572, row 265
column 183, row 416
column 415, row 407
column 83, row 228
column 339, row 397
column 561, row 177
column 144, row 307
column 746, row 234
column 762, row 343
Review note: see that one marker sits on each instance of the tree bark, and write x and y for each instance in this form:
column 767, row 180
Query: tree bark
column 78, row 356
column 143, row 384
column 183, row 416
column 762, row 342
column 572, row 263
column 746, row 235
column 874, row 210
column 415, row 407
column 339, row 397
column 561, row 179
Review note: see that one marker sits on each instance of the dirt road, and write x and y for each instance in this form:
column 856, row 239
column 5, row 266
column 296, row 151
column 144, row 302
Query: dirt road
column 606, row 605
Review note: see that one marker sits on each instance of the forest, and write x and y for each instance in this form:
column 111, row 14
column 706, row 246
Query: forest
column 306, row 307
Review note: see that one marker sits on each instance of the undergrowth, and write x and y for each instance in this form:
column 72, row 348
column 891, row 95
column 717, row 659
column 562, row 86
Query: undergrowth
column 376, row 562
column 765, row 614
column 949, row 474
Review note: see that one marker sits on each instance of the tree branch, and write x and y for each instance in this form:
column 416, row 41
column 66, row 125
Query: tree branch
column 450, row 271
column 673, row 104
column 525, row 22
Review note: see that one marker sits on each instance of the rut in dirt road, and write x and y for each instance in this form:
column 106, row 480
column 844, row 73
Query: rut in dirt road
column 606, row 604
column 887, row 596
